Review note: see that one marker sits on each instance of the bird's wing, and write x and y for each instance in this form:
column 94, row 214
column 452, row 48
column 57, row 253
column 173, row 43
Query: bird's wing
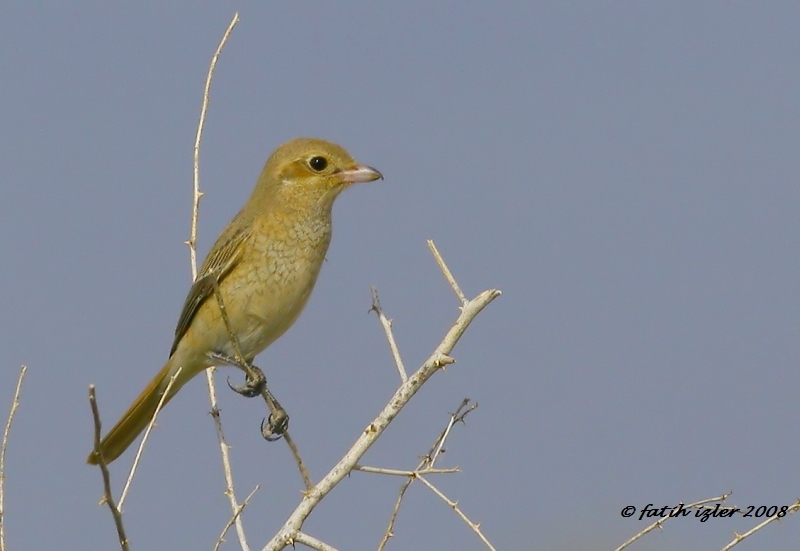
column 223, row 257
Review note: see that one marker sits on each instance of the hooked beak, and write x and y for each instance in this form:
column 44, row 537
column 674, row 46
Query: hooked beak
column 361, row 173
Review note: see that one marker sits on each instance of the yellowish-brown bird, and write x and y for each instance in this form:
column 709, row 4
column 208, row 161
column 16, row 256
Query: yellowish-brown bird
column 265, row 263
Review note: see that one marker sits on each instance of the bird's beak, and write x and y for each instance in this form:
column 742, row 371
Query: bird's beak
column 361, row 173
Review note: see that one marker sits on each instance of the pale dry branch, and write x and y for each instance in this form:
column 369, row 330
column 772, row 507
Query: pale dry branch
column 299, row 460
column 739, row 537
column 198, row 138
column 224, row 449
column 425, row 466
column 454, row 505
column 108, row 497
column 3, row 447
column 389, row 533
column 386, row 323
column 232, row 521
column 446, row 271
column 372, row 432
column 196, row 196
column 457, row 417
column 146, row 436
column 660, row 522
column 313, row 543
column 429, row 459
column 395, row 472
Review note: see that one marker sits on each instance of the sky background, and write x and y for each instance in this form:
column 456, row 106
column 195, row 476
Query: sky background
column 626, row 173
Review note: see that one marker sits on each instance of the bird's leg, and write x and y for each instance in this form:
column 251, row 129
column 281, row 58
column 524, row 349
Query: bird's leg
column 238, row 357
column 255, row 381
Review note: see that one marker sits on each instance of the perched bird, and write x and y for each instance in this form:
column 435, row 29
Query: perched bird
column 265, row 263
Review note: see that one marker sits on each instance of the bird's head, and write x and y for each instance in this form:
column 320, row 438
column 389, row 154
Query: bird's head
column 306, row 169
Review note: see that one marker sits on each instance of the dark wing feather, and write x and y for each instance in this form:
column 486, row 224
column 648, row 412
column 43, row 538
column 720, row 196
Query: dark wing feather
column 223, row 257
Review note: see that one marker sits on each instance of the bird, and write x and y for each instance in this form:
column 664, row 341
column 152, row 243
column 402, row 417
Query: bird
column 263, row 267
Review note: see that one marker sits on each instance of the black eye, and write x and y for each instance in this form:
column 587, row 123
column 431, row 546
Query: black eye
column 318, row 164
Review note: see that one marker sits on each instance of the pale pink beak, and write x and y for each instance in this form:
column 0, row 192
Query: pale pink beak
column 361, row 173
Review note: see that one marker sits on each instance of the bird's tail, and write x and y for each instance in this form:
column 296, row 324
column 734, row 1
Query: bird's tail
column 139, row 414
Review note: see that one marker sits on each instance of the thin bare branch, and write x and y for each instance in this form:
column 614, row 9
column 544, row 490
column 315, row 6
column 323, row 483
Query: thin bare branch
column 108, row 498
column 454, row 505
column 387, row 328
column 446, row 271
column 395, row 472
column 456, row 417
column 224, row 449
column 235, row 516
column 739, row 537
column 14, row 406
column 425, row 466
column 313, row 543
column 301, row 466
column 146, row 436
column 198, row 138
column 389, row 533
column 196, row 196
column 372, row 432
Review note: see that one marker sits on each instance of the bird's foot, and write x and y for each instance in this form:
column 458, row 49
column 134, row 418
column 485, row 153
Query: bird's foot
column 275, row 425
column 254, row 383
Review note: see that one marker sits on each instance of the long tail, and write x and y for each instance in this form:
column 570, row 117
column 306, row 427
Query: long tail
column 139, row 414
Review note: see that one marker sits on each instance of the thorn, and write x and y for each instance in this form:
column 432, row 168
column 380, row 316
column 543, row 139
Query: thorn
column 444, row 360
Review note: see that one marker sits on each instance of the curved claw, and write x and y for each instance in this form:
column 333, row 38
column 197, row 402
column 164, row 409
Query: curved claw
column 253, row 386
column 273, row 428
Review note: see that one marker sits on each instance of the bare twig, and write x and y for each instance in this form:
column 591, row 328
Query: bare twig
column 446, row 271
column 454, row 505
column 387, row 328
column 14, row 406
column 224, row 449
column 197, row 195
column 101, row 462
column 456, row 417
column 739, row 537
column 313, row 543
column 395, row 472
column 404, row 393
column 239, row 509
column 425, row 466
column 660, row 522
column 389, row 532
column 199, row 136
column 299, row 460
column 146, row 436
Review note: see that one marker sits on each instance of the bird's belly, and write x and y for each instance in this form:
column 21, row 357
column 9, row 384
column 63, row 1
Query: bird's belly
column 276, row 296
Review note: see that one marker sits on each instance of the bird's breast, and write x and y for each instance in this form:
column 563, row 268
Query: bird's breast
column 282, row 266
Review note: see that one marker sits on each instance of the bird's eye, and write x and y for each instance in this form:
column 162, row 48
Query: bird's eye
column 318, row 164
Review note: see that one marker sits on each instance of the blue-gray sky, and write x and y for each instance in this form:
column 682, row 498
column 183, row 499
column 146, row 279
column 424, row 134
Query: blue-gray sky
column 627, row 173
